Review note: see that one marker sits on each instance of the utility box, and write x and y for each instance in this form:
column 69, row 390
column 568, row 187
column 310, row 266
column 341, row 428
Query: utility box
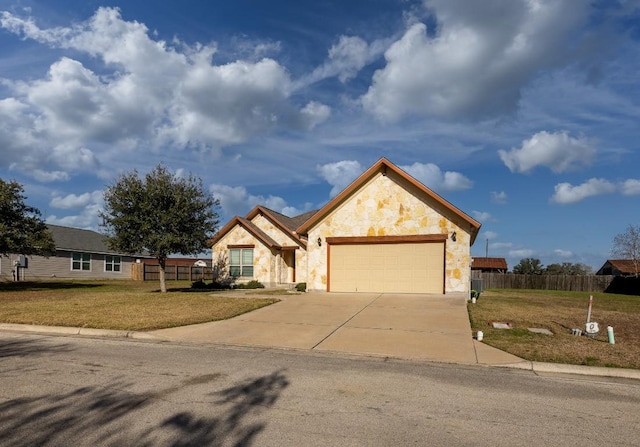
column 23, row 261
column 476, row 284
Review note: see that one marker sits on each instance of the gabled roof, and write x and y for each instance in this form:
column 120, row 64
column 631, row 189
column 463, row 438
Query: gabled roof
column 489, row 263
column 75, row 239
column 84, row 241
column 625, row 266
column 285, row 223
column 248, row 226
column 383, row 166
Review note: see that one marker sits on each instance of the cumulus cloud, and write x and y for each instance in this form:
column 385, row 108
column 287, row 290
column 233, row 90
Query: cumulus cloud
column 340, row 174
column 557, row 151
column 521, row 253
column 72, row 201
column 433, row 177
column 563, row 253
column 566, row 193
column 345, row 59
column 630, row 187
column 499, row 197
column 482, row 216
column 147, row 94
column 236, row 200
column 476, row 61
column 489, row 235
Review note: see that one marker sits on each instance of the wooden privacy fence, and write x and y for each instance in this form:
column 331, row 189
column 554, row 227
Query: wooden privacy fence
column 577, row 283
column 151, row 272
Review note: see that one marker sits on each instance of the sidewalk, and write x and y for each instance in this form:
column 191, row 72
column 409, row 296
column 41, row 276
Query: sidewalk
column 432, row 328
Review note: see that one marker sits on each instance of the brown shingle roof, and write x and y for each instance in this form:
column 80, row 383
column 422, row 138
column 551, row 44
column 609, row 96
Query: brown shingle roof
column 489, row 263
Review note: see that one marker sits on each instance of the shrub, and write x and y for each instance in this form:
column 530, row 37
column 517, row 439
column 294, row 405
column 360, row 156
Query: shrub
column 301, row 287
column 253, row 284
column 199, row 284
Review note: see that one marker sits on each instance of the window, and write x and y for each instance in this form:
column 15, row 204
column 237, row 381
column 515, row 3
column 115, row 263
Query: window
column 81, row 261
column 241, row 262
column 112, row 263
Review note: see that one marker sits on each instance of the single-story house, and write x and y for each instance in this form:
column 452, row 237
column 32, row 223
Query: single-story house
column 619, row 267
column 386, row 232
column 80, row 254
column 489, row 265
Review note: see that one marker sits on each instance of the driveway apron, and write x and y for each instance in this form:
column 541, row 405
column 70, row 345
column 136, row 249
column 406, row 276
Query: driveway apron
column 410, row 326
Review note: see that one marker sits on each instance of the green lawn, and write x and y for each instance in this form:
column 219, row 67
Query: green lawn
column 123, row 305
column 560, row 312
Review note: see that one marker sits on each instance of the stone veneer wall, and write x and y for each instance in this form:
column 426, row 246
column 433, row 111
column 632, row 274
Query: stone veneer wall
column 264, row 268
column 383, row 208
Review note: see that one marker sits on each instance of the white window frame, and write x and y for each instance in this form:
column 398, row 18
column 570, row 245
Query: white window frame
column 243, row 265
column 113, row 261
column 81, row 261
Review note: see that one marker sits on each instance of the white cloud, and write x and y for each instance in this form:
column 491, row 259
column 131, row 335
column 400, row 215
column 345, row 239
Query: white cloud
column 521, row 253
column 499, row 198
column 501, row 245
column 340, row 174
column 630, row 187
column 563, row 253
column 489, row 235
column 557, row 151
column 431, row 176
column 148, row 94
column 566, row 193
column 345, row 59
column 477, row 61
column 482, row 216
column 49, row 176
column 314, row 113
column 236, row 201
column 72, row 201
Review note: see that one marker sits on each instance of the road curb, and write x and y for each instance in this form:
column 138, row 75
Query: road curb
column 536, row 367
column 88, row 332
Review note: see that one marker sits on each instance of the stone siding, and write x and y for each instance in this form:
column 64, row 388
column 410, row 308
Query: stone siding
column 384, row 208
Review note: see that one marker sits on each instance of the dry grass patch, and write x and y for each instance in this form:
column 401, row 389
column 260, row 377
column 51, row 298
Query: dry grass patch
column 123, row 305
column 560, row 312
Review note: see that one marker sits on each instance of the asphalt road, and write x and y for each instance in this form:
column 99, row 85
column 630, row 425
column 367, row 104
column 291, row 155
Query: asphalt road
column 59, row 391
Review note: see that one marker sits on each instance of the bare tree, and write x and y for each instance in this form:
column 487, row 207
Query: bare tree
column 627, row 246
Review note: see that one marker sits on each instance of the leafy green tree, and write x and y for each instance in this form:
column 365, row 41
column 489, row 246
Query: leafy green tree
column 22, row 230
column 160, row 214
column 627, row 246
column 528, row 266
column 567, row 268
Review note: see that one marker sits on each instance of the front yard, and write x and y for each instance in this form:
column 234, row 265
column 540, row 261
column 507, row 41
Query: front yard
column 123, row 305
column 560, row 312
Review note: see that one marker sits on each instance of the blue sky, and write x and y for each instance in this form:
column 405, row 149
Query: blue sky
column 522, row 113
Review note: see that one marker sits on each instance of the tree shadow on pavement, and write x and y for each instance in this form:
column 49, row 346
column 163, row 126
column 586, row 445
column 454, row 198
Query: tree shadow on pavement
column 112, row 415
column 24, row 348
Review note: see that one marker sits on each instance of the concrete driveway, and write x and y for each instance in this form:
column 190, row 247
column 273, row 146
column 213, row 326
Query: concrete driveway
column 409, row 326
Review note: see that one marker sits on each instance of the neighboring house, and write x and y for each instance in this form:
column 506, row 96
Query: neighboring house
column 80, row 254
column 619, row 267
column 386, row 232
column 489, row 265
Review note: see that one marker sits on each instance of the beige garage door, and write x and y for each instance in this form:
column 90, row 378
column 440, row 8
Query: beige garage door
column 393, row 268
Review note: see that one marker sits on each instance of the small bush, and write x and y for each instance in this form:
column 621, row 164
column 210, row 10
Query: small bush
column 301, row 287
column 253, row 284
column 199, row 284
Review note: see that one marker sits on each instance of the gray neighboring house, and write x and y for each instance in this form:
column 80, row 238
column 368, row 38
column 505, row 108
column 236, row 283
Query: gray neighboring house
column 80, row 254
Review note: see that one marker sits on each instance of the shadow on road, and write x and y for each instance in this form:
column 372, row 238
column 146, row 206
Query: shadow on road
column 24, row 348
column 114, row 416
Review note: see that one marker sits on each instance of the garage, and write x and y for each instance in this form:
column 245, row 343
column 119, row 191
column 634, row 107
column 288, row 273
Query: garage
column 386, row 265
